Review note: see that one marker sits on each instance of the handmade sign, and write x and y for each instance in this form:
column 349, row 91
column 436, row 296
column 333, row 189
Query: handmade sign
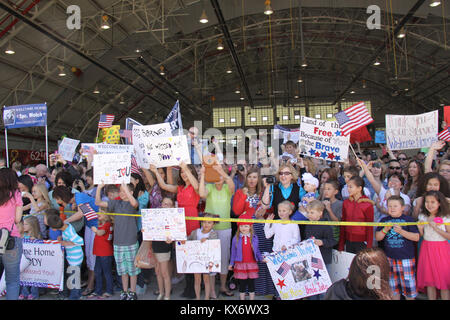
column 286, row 134
column 112, row 168
column 111, row 135
column 46, row 267
column 67, row 148
column 103, row 148
column 340, row 265
column 380, row 136
column 143, row 136
column 162, row 223
column 198, row 257
column 299, row 271
column 322, row 140
column 411, row 131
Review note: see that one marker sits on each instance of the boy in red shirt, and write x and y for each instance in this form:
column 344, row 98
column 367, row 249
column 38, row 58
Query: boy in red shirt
column 103, row 250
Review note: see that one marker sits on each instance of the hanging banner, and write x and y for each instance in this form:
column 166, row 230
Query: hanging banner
column 28, row 115
column 198, row 257
column 322, row 139
column 299, row 271
column 112, row 168
column 143, row 136
column 111, row 135
column 46, row 267
column 411, row 131
column 103, row 148
column 67, row 148
column 161, row 223
column 340, row 265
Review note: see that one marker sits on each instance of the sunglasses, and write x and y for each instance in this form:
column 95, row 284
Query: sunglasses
column 402, row 158
column 376, row 165
column 395, row 168
column 285, row 173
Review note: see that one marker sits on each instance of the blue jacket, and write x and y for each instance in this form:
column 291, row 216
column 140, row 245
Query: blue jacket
column 236, row 250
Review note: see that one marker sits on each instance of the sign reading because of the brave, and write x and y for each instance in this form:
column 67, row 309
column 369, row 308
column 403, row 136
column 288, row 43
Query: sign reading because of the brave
column 112, row 168
column 322, row 140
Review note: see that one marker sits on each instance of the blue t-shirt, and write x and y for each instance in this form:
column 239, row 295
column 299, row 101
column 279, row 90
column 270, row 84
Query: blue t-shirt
column 81, row 198
column 54, row 234
column 396, row 246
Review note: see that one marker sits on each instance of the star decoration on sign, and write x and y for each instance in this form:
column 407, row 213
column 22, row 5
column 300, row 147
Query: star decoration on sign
column 317, row 154
column 312, row 151
column 331, row 156
column 337, row 133
column 281, row 283
column 338, row 158
column 323, row 155
column 317, row 274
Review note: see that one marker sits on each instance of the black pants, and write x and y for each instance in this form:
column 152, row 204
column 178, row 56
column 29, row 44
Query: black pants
column 246, row 283
column 354, row 247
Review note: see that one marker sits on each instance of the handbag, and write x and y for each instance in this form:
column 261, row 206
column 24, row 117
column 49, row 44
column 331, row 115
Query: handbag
column 7, row 242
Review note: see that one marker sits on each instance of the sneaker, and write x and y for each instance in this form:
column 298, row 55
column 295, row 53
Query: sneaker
column 123, row 295
column 132, row 295
column 160, row 297
column 166, row 298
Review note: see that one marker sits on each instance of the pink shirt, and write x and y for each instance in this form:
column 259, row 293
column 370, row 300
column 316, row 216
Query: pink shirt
column 8, row 213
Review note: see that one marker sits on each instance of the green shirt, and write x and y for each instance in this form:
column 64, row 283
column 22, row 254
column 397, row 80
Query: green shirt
column 219, row 202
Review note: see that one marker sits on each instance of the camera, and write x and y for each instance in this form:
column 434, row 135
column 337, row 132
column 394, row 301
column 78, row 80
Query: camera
column 270, row 179
column 240, row 167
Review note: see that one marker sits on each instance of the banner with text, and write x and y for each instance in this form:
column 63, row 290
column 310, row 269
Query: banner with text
column 67, row 148
column 198, row 257
column 46, row 266
column 28, row 115
column 161, row 223
column 322, row 139
column 299, row 271
column 103, row 148
column 112, row 168
column 411, row 131
column 143, row 136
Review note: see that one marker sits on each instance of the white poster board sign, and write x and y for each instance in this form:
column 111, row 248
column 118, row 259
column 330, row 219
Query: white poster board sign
column 340, row 265
column 166, row 151
column 46, row 266
column 198, row 257
column 143, row 136
column 299, row 271
column 161, row 223
column 322, row 139
column 411, row 131
column 112, row 168
column 67, row 148
column 104, row 148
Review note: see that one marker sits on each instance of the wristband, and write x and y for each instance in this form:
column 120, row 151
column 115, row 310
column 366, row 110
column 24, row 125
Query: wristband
column 384, row 231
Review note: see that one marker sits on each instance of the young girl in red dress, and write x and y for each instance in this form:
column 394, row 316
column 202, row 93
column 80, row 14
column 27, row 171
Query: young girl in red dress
column 244, row 256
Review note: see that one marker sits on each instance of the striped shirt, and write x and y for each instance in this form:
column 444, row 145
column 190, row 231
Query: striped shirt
column 74, row 254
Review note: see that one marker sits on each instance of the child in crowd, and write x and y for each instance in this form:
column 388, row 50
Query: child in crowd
column 31, row 231
column 39, row 203
column 290, row 152
column 244, row 257
column 72, row 243
column 333, row 206
column 348, row 173
column 205, row 232
column 308, row 192
column 103, row 251
column 161, row 251
column 433, row 270
column 52, row 233
column 126, row 244
column 357, row 208
column 322, row 234
column 399, row 248
column 285, row 235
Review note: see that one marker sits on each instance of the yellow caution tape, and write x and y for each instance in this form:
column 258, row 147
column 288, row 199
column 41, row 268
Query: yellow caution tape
column 326, row 223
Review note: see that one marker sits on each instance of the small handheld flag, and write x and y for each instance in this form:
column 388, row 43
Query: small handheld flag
column 353, row 118
column 106, row 121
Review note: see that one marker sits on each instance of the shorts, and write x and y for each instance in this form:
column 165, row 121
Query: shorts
column 162, row 257
column 124, row 256
column 402, row 277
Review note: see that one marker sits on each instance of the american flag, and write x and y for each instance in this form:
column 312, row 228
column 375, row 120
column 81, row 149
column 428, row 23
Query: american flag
column 316, row 263
column 134, row 165
column 125, row 134
column 444, row 134
column 106, row 121
column 88, row 212
column 284, row 269
column 353, row 118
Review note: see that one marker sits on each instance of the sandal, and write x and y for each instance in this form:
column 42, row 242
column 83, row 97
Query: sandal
column 92, row 295
column 226, row 293
column 87, row 292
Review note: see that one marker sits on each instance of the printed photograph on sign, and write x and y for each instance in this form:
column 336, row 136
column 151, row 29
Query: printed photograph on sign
column 112, row 168
column 198, row 257
column 161, row 223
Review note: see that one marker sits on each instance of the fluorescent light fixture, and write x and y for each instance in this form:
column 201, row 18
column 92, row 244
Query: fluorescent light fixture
column 329, row 115
column 221, row 120
column 253, row 119
column 317, row 116
column 203, row 17
column 233, row 120
column 285, row 117
column 9, row 49
column 264, row 118
column 297, row 117
column 434, row 3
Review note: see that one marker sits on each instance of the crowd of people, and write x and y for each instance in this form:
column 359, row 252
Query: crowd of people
column 377, row 185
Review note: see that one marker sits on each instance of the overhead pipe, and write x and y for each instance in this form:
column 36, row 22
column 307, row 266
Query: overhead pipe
column 227, row 36
column 8, row 15
column 13, row 23
column 57, row 39
column 397, row 29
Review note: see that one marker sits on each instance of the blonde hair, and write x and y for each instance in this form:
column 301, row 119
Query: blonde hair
column 44, row 192
column 445, row 162
column 315, row 205
column 288, row 204
column 291, row 169
column 35, row 231
column 311, row 166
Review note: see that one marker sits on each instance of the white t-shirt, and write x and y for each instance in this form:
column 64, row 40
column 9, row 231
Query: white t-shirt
column 201, row 235
column 285, row 234
column 428, row 232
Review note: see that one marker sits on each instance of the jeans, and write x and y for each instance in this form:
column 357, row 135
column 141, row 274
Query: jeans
column 27, row 290
column 103, row 267
column 11, row 263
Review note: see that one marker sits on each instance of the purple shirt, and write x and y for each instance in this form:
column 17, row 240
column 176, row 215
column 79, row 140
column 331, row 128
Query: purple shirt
column 236, row 250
